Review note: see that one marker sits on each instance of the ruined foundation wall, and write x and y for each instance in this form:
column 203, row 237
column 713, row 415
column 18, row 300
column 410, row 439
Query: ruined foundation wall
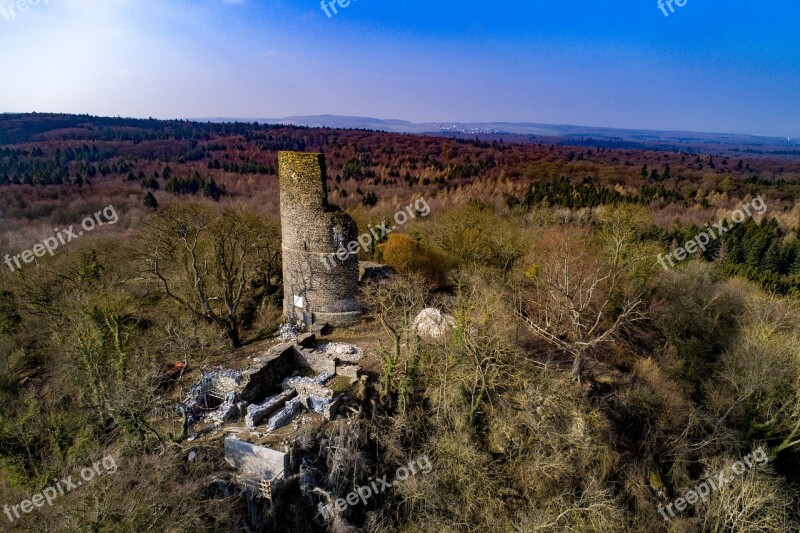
column 312, row 230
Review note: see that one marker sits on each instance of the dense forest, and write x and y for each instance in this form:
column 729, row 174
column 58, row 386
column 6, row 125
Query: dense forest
column 580, row 386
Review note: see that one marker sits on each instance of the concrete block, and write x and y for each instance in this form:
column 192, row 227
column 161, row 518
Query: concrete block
column 256, row 462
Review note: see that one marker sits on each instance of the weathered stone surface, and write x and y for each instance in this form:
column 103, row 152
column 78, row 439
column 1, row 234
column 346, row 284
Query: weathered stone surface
column 266, row 375
column 256, row 462
column 217, row 382
column 433, row 323
column 317, row 361
column 341, row 351
column 327, row 407
column 285, row 415
column 258, row 412
column 225, row 412
column 349, row 370
column 318, row 286
column 304, row 390
column 215, row 386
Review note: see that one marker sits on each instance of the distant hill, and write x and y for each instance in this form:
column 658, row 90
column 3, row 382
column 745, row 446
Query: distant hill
column 557, row 134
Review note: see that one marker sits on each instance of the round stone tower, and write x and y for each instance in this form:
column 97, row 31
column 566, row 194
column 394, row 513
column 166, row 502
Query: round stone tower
column 319, row 286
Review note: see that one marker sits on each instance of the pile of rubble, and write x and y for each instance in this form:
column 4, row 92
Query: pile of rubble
column 287, row 332
column 343, row 352
column 273, row 389
column 213, row 399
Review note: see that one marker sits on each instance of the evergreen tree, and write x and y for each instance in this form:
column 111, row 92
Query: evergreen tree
column 212, row 190
column 150, row 201
column 150, row 183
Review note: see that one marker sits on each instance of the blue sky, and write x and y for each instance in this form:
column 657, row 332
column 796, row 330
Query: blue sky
column 712, row 65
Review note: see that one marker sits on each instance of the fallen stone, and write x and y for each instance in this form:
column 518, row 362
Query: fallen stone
column 433, row 323
column 287, row 332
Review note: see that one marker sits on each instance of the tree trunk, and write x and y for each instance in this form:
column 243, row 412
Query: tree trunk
column 233, row 336
column 577, row 366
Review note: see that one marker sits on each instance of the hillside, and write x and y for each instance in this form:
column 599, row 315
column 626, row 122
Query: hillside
column 554, row 337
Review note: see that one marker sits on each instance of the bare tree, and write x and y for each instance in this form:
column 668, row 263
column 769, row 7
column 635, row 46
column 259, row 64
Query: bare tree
column 208, row 261
column 394, row 303
column 759, row 385
column 580, row 292
column 758, row 500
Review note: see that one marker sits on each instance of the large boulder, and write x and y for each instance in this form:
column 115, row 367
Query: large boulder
column 433, row 323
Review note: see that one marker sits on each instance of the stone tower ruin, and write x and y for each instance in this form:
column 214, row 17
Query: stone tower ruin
column 318, row 288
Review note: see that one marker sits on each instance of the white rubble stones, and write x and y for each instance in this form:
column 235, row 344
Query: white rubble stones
column 287, row 332
column 215, row 386
column 264, row 392
column 432, row 323
column 258, row 412
column 218, row 382
column 297, row 381
column 285, row 415
column 341, row 351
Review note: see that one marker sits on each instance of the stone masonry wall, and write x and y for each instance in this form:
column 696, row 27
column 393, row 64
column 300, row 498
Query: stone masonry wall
column 312, row 230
